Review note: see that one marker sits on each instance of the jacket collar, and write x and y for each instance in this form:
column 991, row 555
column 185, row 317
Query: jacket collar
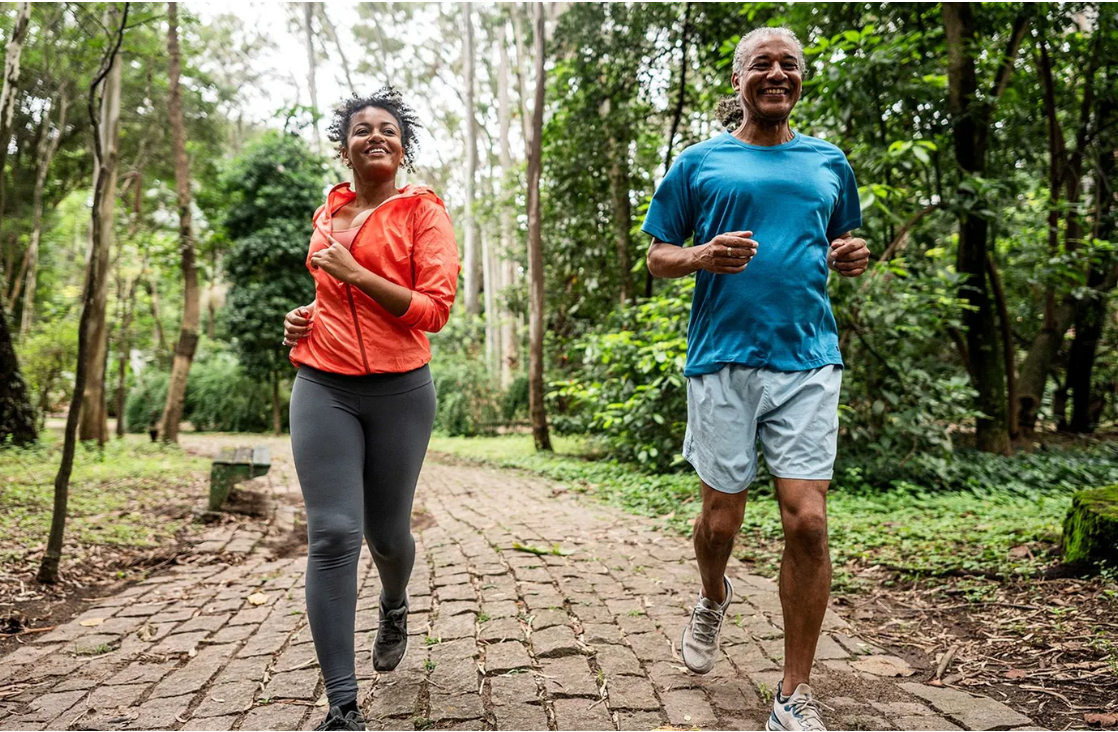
column 343, row 193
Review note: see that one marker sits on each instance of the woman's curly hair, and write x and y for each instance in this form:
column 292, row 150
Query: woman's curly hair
column 391, row 101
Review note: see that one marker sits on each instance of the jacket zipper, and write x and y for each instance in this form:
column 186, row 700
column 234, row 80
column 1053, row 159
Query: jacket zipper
column 349, row 290
column 357, row 327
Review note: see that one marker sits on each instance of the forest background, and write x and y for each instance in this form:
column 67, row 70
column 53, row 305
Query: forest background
column 161, row 163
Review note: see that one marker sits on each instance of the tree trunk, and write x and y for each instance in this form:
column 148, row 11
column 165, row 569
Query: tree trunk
column 535, row 250
column 332, row 32
column 471, row 262
column 308, row 32
column 622, row 216
column 489, row 290
column 93, row 424
column 510, row 360
column 124, row 347
column 11, row 86
column 17, row 417
column 970, row 137
column 188, row 335
column 32, row 257
column 48, row 567
column 677, row 115
column 152, row 286
column 522, row 65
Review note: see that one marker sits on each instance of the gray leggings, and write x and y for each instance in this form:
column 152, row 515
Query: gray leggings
column 358, row 444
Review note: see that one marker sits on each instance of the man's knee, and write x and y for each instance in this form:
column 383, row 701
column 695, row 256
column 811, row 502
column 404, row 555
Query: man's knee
column 805, row 529
column 720, row 522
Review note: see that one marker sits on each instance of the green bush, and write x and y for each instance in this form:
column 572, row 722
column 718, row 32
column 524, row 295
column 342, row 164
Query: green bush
column 144, row 405
column 220, row 397
column 469, row 404
column 47, row 358
column 628, row 389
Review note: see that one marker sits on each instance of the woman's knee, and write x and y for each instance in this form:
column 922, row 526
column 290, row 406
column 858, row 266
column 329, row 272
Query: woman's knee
column 333, row 535
column 386, row 546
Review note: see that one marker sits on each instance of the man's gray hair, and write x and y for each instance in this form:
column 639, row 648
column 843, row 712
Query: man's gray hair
column 755, row 36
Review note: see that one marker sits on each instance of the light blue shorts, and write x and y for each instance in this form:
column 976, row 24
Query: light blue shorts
column 793, row 413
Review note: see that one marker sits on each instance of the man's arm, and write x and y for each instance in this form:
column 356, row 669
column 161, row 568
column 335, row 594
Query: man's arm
column 849, row 255
column 727, row 253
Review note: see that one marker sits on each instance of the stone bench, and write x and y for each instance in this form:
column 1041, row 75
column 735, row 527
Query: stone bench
column 233, row 465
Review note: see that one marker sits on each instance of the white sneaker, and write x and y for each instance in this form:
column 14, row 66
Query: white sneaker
column 797, row 712
column 699, row 646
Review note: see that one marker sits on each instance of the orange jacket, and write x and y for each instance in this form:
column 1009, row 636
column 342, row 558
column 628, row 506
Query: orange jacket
column 408, row 240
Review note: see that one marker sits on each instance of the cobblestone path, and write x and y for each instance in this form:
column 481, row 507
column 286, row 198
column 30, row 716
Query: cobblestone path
column 501, row 638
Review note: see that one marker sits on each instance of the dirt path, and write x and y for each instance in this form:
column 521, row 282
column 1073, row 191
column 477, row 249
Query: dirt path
column 583, row 639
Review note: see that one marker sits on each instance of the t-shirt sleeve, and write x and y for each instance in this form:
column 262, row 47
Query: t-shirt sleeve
column 671, row 215
column 847, row 214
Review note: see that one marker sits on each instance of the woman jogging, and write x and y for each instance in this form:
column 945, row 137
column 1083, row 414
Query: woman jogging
column 385, row 266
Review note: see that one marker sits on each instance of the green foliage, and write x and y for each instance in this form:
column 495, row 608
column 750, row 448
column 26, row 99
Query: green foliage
column 469, row 402
column 629, row 389
column 46, row 359
column 271, row 191
column 144, row 405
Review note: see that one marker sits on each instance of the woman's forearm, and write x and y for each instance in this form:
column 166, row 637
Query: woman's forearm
column 394, row 298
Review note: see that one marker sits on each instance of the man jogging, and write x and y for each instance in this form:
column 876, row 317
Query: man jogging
column 770, row 210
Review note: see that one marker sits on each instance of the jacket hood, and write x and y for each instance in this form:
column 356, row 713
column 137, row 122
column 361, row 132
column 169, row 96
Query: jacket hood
column 342, row 193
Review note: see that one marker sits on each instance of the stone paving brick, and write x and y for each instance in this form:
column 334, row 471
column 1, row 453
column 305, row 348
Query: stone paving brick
column 46, row 707
column 650, row 647
column 520, row 716
column 627, row 720
column 277, row 716
column 674, row 675
column 543, row 619
column 513, row 689
column 582, row 714
column 616, row 660
column 501, row 629
column 108, row 697
column 503, row 657
column 224, row 699
column 450, row 627
column 554, row 642
column 456, row 707
column 458, row 607
column 570, row 676
column 974, row 712
column 292, row 685
column 688, row 708
column 631, row 692
column 923, row 722
column 162, row 713
column 214, row 724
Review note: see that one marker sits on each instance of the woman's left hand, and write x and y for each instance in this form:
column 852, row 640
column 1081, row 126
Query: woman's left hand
column 336, row 260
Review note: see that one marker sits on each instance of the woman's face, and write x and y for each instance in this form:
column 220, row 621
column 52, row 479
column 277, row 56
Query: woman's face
column 373, row 146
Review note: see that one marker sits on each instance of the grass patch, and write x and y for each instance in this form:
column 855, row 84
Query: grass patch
column 132, row 493
column 927, row 531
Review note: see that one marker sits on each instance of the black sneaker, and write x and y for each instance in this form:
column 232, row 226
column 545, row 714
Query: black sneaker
column 392, row 638
column 336, row 720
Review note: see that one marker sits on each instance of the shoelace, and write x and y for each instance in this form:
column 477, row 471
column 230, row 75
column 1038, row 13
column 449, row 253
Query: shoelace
column 392, row 625
column 806, row 709
column 334, row 720
column 707, row 621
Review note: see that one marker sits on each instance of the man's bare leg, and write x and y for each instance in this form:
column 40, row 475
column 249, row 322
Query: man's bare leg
column 715, row 530
column 805, row 573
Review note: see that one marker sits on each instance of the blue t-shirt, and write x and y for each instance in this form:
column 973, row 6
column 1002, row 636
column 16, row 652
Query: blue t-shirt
column 795, row 198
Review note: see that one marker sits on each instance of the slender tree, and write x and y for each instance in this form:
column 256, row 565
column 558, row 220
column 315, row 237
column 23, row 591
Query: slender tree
column 971, row 131
column 48, row 568
column 188, row 333
column 93, row 424
column 12, row 56
column 535, row 248
column 17, row 417
column 471, row 261
column 510, row 359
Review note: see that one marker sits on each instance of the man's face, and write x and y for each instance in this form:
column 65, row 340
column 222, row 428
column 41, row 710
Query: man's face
column 770, row 82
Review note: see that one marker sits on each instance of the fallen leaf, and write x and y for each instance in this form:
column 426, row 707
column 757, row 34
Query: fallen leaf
column 1101, row 720
column 1020, row 552
column 90, row 622
column 321, row 702
column 1016, row 673
column 883, row 666
column 147, row 633
column 257, row 598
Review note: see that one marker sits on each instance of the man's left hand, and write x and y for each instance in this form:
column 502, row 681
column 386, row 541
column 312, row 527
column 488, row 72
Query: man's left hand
column 337, row 261
column 849, row 256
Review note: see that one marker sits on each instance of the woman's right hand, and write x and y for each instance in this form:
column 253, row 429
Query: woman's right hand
column 297, row 324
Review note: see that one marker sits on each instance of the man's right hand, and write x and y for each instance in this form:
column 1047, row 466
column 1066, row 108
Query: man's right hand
column 297, row 324
column 727, row 253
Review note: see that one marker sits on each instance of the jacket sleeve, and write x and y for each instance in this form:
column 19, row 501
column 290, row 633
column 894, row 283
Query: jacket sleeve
column 435, row 263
